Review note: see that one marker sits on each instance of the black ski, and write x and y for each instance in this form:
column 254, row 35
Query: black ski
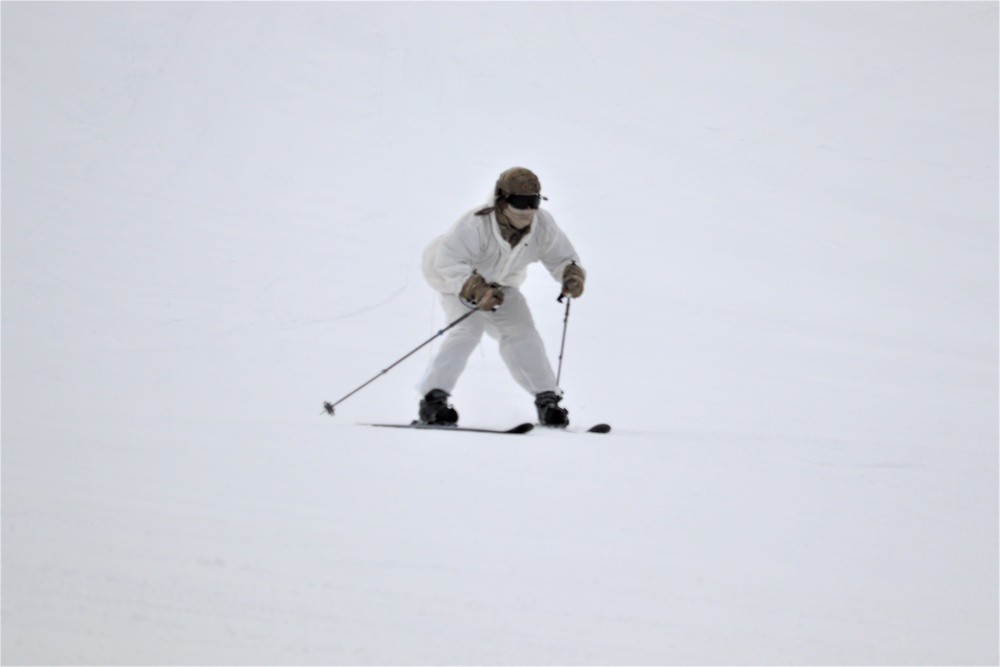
column 520, row 428
column 596, row 428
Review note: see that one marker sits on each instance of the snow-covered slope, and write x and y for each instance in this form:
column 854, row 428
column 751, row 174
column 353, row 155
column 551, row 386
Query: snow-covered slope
column 212, row 222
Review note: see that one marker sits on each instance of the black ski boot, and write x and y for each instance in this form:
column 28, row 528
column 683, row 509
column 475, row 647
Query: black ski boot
column 549, row 412
column 434, row 409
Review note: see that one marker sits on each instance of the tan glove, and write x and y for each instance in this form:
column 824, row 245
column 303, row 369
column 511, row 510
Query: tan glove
column 481, row 294
column 573, row 279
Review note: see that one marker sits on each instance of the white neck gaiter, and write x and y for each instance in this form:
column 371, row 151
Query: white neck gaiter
column 520, row 218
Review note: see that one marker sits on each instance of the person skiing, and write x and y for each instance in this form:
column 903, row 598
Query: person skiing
column 480, row 263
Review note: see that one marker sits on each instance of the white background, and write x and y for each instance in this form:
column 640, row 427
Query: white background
column 213, row 215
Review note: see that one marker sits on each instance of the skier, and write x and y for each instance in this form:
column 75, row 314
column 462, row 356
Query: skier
column 480, row 263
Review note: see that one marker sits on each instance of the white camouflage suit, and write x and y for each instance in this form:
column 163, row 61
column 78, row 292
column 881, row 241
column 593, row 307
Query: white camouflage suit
column 475, row 243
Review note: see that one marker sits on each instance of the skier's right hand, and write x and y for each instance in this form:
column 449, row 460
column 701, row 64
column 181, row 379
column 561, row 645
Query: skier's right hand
column 491, row 298
column 483, row 295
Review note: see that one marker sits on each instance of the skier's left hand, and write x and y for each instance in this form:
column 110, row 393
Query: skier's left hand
column 573, row 279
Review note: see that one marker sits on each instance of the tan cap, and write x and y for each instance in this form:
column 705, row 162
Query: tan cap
column 518, row 181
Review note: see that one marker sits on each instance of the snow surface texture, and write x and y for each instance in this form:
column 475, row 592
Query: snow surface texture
column 212, row 222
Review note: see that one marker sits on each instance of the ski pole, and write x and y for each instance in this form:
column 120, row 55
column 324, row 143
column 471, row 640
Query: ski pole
column 562, row 347
column 330, row 406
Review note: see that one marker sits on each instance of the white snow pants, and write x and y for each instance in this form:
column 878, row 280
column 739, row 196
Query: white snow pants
column 511, row 324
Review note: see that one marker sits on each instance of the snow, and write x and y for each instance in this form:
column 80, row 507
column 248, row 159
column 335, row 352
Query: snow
column 212, row 222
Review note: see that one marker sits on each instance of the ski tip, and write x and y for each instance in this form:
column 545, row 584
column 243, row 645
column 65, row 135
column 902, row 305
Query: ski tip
column 522, row 428
column 600, row 428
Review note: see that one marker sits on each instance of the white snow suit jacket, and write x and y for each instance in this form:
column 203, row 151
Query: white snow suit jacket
column 474, row 243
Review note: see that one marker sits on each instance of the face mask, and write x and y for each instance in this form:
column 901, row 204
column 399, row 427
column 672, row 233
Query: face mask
column 519, row 218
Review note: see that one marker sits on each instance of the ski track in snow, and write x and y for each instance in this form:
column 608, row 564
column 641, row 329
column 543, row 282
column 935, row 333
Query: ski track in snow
column 213, row 217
